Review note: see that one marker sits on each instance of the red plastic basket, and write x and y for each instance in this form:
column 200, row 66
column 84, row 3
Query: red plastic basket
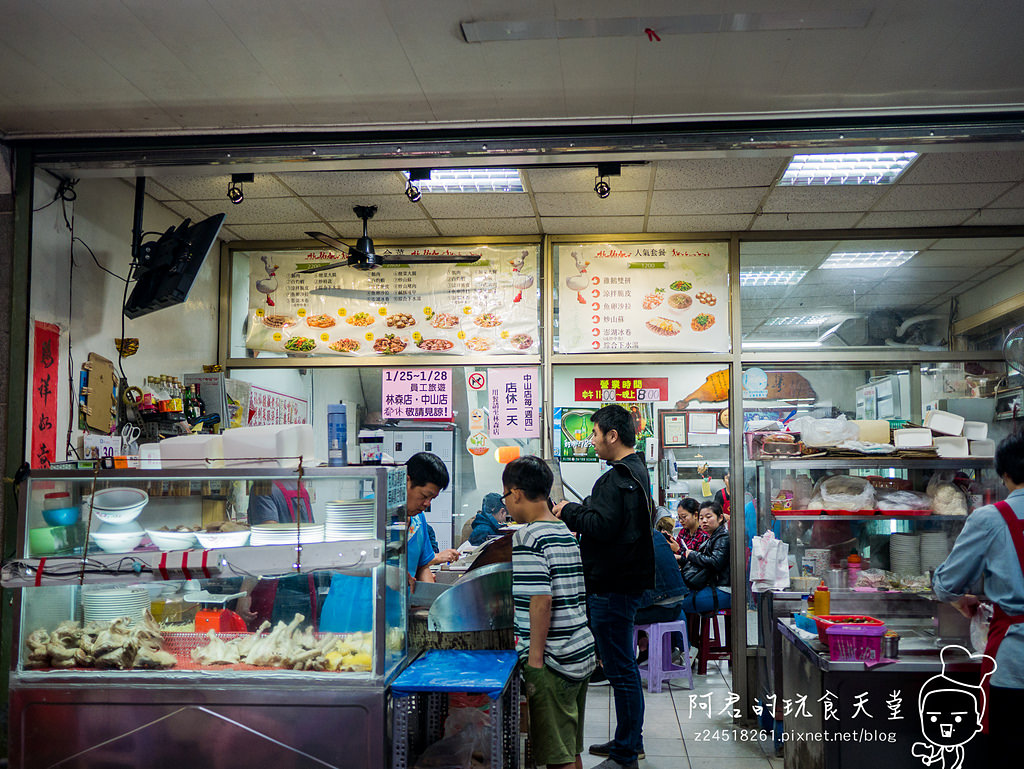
column 855, row 643
column 825, row 621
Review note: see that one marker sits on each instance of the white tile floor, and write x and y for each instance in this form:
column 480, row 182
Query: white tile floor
column 676, row 736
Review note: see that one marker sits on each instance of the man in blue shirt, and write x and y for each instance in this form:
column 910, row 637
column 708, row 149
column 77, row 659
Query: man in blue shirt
column 348, row 606
column 991, row 546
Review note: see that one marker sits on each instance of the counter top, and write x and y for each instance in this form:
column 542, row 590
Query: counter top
column 918, row 654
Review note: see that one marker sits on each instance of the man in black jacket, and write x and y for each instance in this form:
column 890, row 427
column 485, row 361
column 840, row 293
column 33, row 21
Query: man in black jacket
column 615, row 525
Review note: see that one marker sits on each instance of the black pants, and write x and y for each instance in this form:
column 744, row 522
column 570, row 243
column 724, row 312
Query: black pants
column 1005, row 707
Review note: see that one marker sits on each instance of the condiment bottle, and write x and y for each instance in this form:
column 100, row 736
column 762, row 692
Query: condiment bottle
column 822, row 600
column 853, row 567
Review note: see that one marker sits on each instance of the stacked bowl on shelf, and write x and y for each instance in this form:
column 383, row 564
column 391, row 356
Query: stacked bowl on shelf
column 107, row 604
column 286, row 534
column 934, row 549
column 350, row 519
column 117, row 509
column 905, row 553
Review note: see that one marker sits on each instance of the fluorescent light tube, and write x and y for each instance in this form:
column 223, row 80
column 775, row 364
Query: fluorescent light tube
column 471, row 180
column 849, row 168
column 856, row 260
column 771, row 277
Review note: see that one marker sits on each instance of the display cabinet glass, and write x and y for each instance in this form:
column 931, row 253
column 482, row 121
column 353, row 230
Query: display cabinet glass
column 179, row 545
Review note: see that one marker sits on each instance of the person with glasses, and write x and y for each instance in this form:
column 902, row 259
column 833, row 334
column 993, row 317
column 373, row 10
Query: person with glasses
column 616, row 528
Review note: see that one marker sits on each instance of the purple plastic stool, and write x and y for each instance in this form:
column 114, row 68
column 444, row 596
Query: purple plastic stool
column 659, row 666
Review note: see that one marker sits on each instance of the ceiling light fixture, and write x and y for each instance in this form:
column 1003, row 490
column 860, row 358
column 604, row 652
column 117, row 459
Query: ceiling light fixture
column 467, row 180
column 779, row 345
column 235, row 194
column 602, row 187
column 412, row 192
column 858, row 260
column 771, row 277
column 799, row 320
column 849, row 168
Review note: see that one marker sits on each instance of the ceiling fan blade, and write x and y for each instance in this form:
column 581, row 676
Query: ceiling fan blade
column 321, row 268
column 403, row 259
column 327, row 240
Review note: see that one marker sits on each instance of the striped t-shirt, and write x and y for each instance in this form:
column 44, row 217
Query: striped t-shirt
column 546, row 561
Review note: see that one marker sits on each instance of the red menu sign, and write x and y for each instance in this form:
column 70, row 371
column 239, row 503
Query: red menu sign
column 631, row 390
column 44, row 394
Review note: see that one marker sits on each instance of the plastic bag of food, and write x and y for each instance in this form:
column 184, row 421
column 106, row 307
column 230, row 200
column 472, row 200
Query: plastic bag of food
column 845, row 492
column 825, row 432
column 874, row 578
column 466, row 744
column 947, row 498
column 903, row 500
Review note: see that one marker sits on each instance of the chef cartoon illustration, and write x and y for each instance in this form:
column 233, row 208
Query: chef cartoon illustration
column 268, row 285
column 951, row 713
column 520, row 280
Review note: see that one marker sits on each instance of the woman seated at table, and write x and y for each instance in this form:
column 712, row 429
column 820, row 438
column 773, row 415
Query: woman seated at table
column 706, row 569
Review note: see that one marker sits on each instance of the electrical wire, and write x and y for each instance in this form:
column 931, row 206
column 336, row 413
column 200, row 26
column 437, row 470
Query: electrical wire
column 65, row 192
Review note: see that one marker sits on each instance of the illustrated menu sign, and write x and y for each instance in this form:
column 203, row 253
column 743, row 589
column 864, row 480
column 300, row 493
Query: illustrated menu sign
column 608, row 390
column 573, row 426
column 416, row 393
column 512, row 396
column 267, row 407
column 489, row 306
column 643, row 298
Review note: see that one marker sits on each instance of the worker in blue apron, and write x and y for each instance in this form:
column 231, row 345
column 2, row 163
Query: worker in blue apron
column 348, row 607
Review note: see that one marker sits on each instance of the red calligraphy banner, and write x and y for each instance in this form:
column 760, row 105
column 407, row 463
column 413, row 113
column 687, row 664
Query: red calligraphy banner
column 44, row 394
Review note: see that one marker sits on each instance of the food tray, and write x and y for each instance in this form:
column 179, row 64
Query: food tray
column 855, row 643
column 780, row 513
column 795, row 512
column 904, row 512
column 825, row 621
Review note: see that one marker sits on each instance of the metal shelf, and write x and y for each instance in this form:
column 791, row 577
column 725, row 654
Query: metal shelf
column 868, row 517
column 852, row 463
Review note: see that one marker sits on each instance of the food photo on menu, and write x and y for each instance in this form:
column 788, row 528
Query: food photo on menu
column 434, row 309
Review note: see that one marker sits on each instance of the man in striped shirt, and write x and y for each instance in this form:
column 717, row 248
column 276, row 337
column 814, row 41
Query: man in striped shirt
column 552, row 637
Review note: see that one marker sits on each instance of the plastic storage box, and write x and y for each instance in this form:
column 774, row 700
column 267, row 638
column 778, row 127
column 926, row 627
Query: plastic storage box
column 825, row 621
column 855, row 643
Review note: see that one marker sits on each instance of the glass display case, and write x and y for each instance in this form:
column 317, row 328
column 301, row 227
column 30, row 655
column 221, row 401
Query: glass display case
column 149, row 595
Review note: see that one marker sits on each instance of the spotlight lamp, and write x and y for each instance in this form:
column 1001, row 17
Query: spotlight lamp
column 235, row 193
column 413, row 192
column 602, row 187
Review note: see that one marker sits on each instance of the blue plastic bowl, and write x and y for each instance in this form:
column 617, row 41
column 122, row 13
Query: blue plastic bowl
column 61, row 516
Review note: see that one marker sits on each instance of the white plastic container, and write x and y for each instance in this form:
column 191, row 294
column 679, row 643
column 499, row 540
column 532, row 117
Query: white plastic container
column 912, row 438
column 192, row 451
column 985, row 448
column 944, row 422
column 951, row 447
column 873, row 430
column 975, row 431
column 268, row 446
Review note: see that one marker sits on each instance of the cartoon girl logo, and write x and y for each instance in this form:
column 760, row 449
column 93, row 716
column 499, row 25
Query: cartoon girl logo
column 951, row 713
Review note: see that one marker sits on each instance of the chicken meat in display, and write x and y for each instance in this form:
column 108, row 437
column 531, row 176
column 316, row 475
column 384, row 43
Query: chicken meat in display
column 118, row 645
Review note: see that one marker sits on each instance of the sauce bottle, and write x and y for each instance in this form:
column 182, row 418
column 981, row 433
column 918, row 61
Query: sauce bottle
column 822, row 600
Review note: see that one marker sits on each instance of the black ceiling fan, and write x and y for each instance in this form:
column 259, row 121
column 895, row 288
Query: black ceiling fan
column 363, row 257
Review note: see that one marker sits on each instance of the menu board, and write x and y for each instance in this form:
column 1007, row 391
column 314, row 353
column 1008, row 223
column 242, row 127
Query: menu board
column 643, row 297
column 416, row 393
column 489, row 306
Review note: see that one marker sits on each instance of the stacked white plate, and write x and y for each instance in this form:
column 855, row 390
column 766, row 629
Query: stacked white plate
column 905, row 553
column 934, row 549
column 285, row 533
column 108, row 605
column 350, row 519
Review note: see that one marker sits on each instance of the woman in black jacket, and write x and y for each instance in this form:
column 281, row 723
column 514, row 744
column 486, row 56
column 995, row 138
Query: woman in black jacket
column 706, row 570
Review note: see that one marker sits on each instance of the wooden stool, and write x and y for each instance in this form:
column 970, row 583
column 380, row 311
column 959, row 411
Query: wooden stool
column 710, row 644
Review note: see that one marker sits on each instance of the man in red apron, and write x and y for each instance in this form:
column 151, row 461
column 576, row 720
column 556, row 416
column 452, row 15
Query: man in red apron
column 991, row 546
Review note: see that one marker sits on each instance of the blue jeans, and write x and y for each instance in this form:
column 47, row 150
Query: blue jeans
column 611, row 621
column 703, row 601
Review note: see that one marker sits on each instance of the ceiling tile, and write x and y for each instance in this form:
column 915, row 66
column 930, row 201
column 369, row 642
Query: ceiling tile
column 398, row 228
column 913, row 219
column 186, row 210
column 981, row 244
column 295, row 231
column 339, row 209
column 632, row 178
column 805, row 221
column 707, row 173
column 597, row 225
column 345, row 183
column 965, row 167
column 997, row 216
column 822, row 199
column 977, row 260
column 482, row 205
column 1012, row 199
column 471, row 227
column 258, row 210
column 874, row 244
column 787, row 247
column 718, row 201
column 216, row 187
column 587, row 204
column 926, row 197
column 699, row 223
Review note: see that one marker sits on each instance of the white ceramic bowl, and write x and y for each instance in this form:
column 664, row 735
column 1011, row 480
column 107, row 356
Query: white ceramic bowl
column 222, row 539
column 118, row 505
column 172, row 540
column 118, row 543
column 118, row 528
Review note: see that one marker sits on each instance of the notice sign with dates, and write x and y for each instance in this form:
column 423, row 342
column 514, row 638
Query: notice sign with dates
column 671, row 297
column 416, row 393
column 486, row 307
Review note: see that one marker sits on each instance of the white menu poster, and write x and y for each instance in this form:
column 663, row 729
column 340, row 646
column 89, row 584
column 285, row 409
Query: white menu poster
column 643, row 297
column 489, row 306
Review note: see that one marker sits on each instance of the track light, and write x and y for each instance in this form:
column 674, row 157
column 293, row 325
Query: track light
column 602, row 187
column 604, row 170
column 413, row 192
column 235, row 194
